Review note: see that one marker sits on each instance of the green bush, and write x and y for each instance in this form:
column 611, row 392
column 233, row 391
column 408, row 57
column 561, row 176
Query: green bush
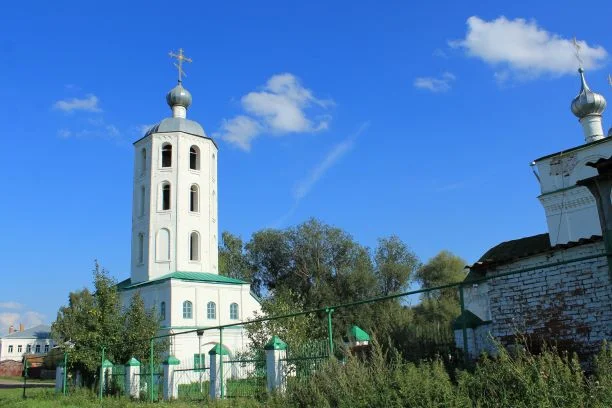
column 377, row 382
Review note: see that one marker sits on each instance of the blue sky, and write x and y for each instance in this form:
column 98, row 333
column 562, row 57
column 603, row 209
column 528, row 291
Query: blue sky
column 377, row 117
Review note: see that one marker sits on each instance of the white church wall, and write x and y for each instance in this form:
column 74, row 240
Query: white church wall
column 153, row 296
column 571, row 211
column 200, row 294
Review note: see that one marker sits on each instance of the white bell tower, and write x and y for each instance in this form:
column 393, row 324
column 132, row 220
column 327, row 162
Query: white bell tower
column 174, row 214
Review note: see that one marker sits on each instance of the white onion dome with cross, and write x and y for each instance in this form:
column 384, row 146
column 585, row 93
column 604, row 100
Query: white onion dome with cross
column 587, row 102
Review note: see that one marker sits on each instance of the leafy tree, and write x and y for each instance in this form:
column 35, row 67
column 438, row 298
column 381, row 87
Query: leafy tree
column 439, row 307
column 233, row 261
column 295, row 331
column 395, row 265
column 269, row 254
column 313, row 265
column 93, row 320
column 442, row 269
column 139, row 325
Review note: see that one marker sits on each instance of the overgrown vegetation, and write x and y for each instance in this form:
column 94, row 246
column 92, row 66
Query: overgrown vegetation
column 549, row 379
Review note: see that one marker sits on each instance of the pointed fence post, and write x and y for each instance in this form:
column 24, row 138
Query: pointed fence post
column 132, row 378
column 59, row 377
column 276, row 365
column 170, row 385
column 218, row 378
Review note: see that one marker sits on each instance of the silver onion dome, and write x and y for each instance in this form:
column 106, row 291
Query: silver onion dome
column 587, row 102
column 179, row 96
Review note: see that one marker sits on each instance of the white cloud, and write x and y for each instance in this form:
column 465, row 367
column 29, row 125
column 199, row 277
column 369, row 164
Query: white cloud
column 279, row 108
column 525, row 49
column 99, row 129
column 10, row 305
column 240, row 131
column 304, row 187
column 88, row 104
column 433, row 84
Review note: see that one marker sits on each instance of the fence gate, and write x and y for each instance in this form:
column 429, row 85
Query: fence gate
column 246, row 375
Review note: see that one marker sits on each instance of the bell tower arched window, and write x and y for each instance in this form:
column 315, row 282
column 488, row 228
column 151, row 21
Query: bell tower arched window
column 143, row 161
column 194, row 158
column 141, row 211
column 140, row 252
column 167, row 155
column 194, row 246
column 194, row 199
column 162, row 245
column 165, row 190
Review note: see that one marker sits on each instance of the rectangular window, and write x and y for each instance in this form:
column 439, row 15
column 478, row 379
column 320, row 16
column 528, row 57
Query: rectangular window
column 46, row 348
column 19, row 348
column 199, row 362
column 29, row 348
column 10, row 349
column 37, row 348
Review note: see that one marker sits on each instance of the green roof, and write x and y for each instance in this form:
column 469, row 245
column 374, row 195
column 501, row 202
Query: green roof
column 356, row 333
column 184, row 276
column 275, row 343
column 171, row 360
column 471, row 321
column 133, row 362
column 217, row 350
column 107, row 363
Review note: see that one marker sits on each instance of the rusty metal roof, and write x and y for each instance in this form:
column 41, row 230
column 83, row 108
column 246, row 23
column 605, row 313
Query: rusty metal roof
column 510, row 251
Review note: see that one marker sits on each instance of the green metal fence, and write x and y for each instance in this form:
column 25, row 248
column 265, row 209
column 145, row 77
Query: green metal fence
column 304, row 359
column 151, row 381
column 193, row 379
column 116, row 381
column 246, row 376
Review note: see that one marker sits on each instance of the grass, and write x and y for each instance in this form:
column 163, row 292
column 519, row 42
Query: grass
column 47, row 398
column 19, row 379
column 546, row 380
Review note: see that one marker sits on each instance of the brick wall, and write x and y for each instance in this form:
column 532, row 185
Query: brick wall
column 10, row 368
column 569, row 305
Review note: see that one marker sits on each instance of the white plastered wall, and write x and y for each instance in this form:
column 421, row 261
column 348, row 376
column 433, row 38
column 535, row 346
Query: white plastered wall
column 178, row 220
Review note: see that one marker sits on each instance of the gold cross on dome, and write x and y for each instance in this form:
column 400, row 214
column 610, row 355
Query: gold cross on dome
column 180, row 57
column 577, row 52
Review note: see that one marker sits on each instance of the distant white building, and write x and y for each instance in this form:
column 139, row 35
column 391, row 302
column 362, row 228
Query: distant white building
column 36, row 340
column 175, row 236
